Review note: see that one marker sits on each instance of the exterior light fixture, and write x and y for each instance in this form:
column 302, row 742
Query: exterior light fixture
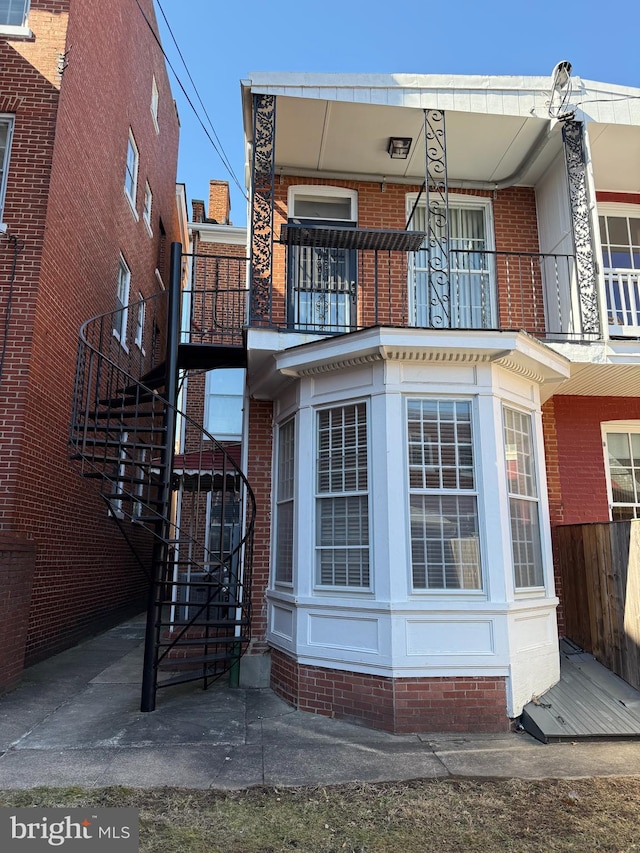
column 399, row 147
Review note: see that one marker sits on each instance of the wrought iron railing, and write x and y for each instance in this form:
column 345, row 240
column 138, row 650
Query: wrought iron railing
column 474, row 289
column 214, row 305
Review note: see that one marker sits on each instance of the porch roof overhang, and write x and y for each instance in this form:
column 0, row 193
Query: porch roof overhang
column 498, row 129
column 601, row 368
column 276, row 358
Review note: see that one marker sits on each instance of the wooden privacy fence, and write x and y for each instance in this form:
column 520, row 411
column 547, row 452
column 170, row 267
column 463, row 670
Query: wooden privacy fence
column 599, row 565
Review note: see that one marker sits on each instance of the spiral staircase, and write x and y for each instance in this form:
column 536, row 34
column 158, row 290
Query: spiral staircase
column 188, row 517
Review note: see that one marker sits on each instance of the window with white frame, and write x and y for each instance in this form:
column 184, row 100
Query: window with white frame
column 620, row 241
column 459, row 246
column 146, row 210
column 524, row 510
column 140, row 314
column 131, row 171
column 285, row 484
column 342, row 497
column 6, row 129
column 622, row 456
column 13, row 13
column 224, row 398
column 120, row 315
column 154, row 103
column 321, row 282
column 443, row 502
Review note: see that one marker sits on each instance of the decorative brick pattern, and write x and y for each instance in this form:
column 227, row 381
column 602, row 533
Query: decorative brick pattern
column 400, row 705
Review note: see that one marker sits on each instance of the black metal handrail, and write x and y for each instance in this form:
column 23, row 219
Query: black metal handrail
column 214, row 305
column 335, row 290
column 118, row 439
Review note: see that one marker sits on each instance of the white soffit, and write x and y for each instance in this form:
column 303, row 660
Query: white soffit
column 352, row 138
column 615, row 154
column 602, row 380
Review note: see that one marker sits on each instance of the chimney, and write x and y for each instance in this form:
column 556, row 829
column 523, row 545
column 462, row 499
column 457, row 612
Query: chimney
column 219, row 202
column 198, row 210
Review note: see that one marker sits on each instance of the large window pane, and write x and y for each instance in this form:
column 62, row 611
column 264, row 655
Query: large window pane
column 523, row 500
column 224, row 390
column 342, row 504
column 445, row 551
column 13, row 13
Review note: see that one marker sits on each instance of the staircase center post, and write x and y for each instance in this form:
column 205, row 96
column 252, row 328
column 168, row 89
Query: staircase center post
column 163, row 525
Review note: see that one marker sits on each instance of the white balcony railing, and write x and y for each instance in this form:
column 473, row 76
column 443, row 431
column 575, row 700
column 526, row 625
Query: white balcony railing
column 622, row 289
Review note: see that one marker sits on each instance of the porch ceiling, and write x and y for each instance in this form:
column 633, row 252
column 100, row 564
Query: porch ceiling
column 615, row 153
column 335, row 137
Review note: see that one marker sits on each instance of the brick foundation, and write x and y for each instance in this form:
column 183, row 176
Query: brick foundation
column 17, row 563
column 400, row 705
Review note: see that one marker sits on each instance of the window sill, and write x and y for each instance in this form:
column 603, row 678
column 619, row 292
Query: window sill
column 148, row 225
column 9, row 32
column 132, row 205
column 122, row 343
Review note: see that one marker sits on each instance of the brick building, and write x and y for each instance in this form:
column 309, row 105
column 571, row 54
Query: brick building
column 442, row 352
column 88, row 152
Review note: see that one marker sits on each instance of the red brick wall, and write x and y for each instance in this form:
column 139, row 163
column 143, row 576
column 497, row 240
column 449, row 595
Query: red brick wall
column 17, row 560
column 400, row 705
column 580, row 453
column 259, row 476
column 66, row 204
column 575, row 460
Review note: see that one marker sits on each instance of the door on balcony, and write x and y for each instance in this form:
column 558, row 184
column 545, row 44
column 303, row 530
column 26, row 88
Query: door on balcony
column 620, row 240
column 321, row 280
column 452, row 282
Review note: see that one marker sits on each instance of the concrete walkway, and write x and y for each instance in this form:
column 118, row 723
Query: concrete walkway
column 75, row 720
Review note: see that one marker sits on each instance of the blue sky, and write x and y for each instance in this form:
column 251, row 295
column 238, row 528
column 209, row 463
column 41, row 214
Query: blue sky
column 223, row 41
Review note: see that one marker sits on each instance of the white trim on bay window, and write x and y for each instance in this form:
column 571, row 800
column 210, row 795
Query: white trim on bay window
column 342, row 497
column 443, row 496
column 524, row 500
column 285, row 488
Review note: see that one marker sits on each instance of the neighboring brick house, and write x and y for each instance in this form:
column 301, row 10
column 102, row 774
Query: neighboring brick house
column 422, row 411
column 88, row 153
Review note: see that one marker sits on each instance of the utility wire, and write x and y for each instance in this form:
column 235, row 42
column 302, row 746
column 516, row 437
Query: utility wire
column 190, row 102
column 195, row 89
